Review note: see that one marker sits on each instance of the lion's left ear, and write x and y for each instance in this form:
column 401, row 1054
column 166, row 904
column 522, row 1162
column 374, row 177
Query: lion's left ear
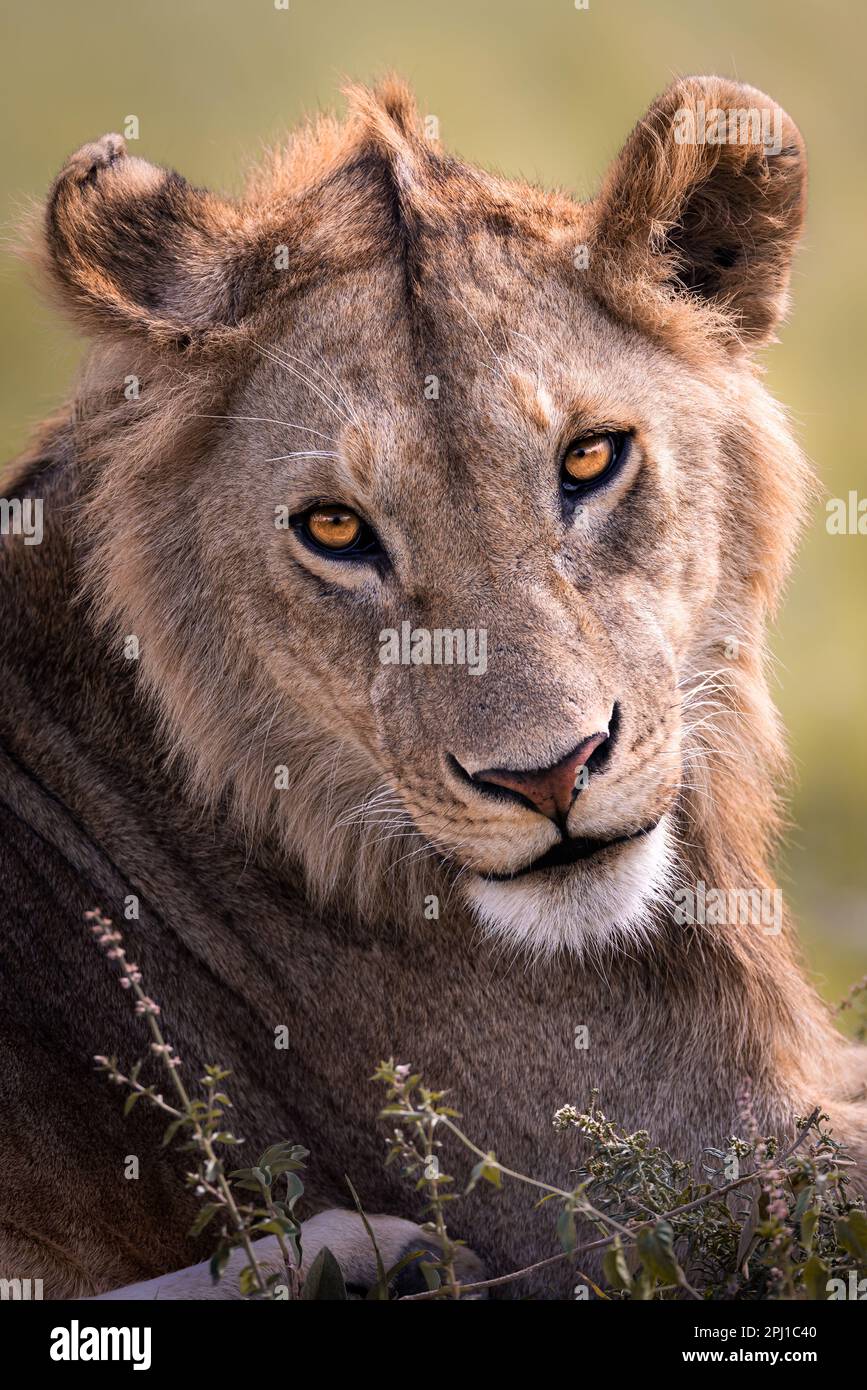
column 133, row 248
column 708, row 199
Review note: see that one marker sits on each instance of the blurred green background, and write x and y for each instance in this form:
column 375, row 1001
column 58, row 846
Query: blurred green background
column 546, row 91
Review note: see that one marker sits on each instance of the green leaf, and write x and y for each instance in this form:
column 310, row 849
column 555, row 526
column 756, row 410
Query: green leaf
column 615, row 1267
column 294, row 1190
column 284, row 1165
column 806, row 1193
column 815, row 1276
column 283, row 1152
column 809, row 1221
column 219, row 1261
column 852, row 1235
column 642, row 1290
column 566, row 1230
column 171, row 1130
column 431, row 1275
column 656, row 1248
column 130, row 1101
column 248, row 1282
column 275, row 1226
column 487, row 1170
column 207, row 1214
column 325, row 1280
column 749, row 1237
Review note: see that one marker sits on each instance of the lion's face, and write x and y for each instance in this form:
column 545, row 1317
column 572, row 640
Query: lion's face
column 459, row 537
column 565, row 607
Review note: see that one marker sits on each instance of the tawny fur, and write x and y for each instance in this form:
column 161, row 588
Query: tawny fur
column 305, row 317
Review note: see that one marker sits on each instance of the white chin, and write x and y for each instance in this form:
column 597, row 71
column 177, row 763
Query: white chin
column 602, row 902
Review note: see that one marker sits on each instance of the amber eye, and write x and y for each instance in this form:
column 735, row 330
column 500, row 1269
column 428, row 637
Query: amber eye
column 588, row 459
column 334, row 528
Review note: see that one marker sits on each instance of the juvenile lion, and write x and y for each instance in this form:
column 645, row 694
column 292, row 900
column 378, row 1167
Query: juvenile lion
column 385, row 387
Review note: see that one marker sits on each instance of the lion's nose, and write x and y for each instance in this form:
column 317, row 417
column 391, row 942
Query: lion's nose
column 549, row 790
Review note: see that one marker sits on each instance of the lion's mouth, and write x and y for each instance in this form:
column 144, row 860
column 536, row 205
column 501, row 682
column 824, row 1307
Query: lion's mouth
column 571, row 852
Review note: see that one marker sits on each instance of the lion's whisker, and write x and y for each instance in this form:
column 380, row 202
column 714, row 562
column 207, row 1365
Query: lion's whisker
column 266, row 420
column 293, row 371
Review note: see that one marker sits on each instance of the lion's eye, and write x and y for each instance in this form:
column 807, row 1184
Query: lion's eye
column 334, row 527
column 587, row 459
column 339, row 531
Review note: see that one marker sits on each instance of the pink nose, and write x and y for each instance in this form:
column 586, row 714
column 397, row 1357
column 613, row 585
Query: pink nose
column 550, row 790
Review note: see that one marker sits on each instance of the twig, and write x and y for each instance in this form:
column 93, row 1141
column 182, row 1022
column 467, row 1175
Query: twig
column 607, row 1240
column 108, row 936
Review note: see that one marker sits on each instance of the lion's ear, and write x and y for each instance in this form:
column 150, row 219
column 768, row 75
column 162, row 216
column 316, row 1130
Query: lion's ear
column 132, row 247
column 708, row 198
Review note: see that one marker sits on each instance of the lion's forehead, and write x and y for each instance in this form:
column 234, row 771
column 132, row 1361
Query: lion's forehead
column 489, row 374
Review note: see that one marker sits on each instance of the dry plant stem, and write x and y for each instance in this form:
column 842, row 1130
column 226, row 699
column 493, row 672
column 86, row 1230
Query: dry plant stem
column 587, row 1208
column 145, row 1091
column 517, row 1274
column 439, row 1219
column 292, row 1276
column 202, row 1139
column 204, row 1143
column 606, row 1240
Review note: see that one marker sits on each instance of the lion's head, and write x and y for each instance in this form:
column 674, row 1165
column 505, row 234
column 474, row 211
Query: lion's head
column 447, row 512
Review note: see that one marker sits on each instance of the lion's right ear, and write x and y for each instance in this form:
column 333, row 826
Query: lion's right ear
column 135, row 248
column 706, row 201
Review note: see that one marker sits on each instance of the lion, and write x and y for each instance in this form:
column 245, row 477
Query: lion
column 385, row 395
